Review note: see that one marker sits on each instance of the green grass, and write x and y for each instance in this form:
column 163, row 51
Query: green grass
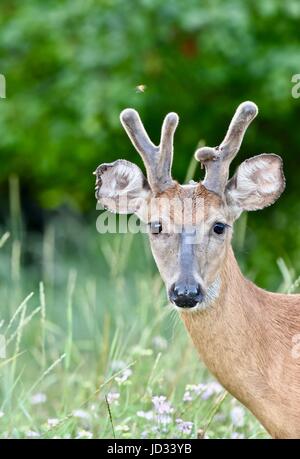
column 91, row 341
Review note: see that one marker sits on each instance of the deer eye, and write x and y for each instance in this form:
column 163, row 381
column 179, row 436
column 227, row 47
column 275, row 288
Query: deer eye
column 219, row 228
column 155, row 227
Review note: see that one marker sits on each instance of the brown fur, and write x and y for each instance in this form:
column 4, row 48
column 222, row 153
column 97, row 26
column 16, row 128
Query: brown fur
column 245, row 339
column 197, row 194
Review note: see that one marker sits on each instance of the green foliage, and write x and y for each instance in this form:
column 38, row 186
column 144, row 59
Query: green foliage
column 72, row 66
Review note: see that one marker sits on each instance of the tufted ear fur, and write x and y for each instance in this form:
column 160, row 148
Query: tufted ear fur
column 257, row 183
column 121, row 187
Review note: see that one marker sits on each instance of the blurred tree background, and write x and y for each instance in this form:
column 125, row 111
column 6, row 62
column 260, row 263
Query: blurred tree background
column 71, row 66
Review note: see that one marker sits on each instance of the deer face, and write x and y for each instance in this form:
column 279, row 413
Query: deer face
column 189, row 243
column 190, row 226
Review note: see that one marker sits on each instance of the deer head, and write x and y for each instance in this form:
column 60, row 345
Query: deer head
column 190, row 226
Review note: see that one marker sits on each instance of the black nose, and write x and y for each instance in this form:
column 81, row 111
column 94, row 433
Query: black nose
column 185, row 295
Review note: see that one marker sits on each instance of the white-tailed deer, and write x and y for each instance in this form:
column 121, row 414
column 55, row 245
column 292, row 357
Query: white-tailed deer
column 244, row 335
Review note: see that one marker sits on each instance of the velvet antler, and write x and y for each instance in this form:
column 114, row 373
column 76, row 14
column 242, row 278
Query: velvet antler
column 217, row 159
column 157, row 159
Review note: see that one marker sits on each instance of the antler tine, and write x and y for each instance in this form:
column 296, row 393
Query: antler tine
column 166, row 150
column 134, row 127
column 217, row 160
column 157, row 159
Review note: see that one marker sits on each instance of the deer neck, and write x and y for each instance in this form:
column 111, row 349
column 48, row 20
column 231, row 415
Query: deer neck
column 230, row 335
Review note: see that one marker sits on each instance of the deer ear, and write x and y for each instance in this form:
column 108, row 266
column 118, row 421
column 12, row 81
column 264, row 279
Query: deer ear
column 121, row 187
column 258, row 183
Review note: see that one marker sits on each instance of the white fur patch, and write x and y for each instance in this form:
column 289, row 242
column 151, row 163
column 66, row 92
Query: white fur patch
column 257, row 183
column 211, row 295
column 121, row 180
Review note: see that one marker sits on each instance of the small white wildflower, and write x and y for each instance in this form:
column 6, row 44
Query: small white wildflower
column 163, row 419
column 211, row 389
column 159, row 343
column 162, row 409
column 185, row 427
column 198, row 388
column 187, row 397
column 161, row 405
column 117, row 365
column 123, row 376
column 1, row 414
column 237, row 415
column 237, row 436
column 81, row 414
column 192, row 391
column 205, row 391
column 84, row 434
column 32, row 434
column 146, row 415
column 38, row 398
column 113, row 397
column 52, row 422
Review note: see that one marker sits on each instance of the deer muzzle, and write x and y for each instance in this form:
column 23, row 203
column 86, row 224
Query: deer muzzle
column 186, row 294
